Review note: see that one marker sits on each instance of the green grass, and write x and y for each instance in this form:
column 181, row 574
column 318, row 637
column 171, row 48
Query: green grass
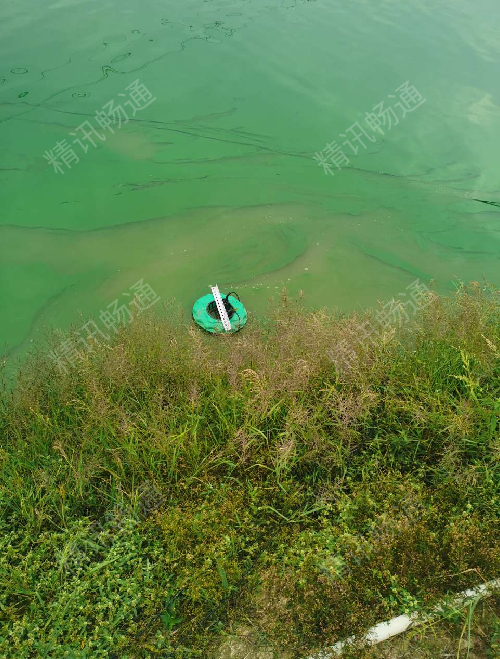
column 469, row 633
column 175, row 486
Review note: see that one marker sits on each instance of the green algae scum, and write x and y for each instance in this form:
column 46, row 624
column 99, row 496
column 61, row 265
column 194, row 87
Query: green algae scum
column 207, row 164
column 332, row 463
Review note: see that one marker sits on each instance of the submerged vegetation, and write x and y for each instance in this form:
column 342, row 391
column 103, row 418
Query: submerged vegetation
column 174, row 488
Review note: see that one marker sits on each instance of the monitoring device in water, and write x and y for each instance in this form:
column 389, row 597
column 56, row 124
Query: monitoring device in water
column 218, row 314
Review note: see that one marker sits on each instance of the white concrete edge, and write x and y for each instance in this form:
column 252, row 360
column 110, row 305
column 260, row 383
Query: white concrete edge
column 398, row 625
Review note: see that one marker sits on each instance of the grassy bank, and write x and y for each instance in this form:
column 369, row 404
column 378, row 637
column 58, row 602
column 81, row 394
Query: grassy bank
column 173, row 487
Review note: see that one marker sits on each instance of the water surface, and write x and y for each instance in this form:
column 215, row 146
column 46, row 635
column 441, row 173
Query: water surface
column 215, row 181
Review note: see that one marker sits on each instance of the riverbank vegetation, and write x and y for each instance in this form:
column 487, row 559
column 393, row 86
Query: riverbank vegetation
column 173, row 488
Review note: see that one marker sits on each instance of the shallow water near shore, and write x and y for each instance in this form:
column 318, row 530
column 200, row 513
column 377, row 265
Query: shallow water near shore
column 215, row 181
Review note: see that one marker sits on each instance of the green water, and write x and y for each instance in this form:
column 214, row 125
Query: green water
column 215, row 181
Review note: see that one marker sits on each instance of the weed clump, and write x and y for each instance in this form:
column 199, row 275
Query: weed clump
column 174, row 486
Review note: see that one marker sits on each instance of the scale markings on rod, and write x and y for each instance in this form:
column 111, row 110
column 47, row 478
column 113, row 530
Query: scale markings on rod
column 221, row 308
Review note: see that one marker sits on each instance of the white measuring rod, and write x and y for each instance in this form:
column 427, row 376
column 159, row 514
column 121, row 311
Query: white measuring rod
column 221, row 308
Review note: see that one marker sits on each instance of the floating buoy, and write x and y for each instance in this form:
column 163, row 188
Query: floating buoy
column 219, row 314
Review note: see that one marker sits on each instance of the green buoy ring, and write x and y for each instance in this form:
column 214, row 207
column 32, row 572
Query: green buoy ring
column 205, row 313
